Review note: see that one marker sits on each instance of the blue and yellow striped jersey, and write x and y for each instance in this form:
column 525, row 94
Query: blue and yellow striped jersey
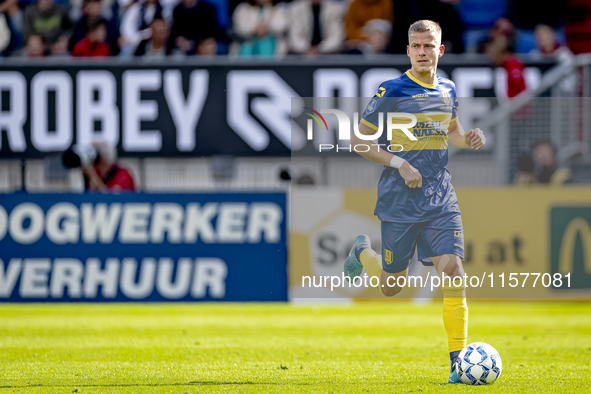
column 434, row 106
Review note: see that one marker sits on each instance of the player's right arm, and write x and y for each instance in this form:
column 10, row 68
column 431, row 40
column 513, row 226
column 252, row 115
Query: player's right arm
column 377, row 154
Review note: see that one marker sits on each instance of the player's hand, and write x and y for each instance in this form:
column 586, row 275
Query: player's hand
column 412, row 177
column 475, row 138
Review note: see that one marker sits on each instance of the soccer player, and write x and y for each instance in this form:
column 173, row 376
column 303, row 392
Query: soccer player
column 417, row 204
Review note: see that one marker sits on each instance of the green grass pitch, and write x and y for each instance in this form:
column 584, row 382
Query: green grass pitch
column 276, row 348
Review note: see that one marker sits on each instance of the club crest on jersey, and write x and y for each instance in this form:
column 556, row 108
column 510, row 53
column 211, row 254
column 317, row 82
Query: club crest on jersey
column 388, row 256
column 373, row 104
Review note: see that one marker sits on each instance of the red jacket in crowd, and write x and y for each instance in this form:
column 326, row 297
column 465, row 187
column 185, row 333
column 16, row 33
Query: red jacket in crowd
column 118, row 178
column 86, row 48
column 515, row 77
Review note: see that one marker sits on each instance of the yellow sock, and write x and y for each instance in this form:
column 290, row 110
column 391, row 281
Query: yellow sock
column 455, row 316
column 372, row 262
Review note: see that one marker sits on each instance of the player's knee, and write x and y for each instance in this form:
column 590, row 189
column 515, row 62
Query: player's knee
column 453, row 266
column 391, row 291
column 390, row 283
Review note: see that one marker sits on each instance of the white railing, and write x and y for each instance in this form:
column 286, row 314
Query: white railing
column 569, row 126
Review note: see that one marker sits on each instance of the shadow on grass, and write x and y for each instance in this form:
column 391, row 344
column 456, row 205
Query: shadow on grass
column 192, row 383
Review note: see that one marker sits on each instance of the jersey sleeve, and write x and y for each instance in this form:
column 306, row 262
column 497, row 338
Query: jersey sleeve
column 454, row 109
column 382, row 102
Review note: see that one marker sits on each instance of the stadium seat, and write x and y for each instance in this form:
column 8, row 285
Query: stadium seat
column 481, row 13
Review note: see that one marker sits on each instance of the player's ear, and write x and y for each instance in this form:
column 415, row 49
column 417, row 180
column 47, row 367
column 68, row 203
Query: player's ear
column 441, row 50
column 408, row 50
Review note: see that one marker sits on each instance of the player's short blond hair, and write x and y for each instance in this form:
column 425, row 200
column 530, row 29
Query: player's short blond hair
column 424, row 26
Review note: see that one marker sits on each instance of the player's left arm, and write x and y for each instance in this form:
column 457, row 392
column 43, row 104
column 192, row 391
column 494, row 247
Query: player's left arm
column 473, row 138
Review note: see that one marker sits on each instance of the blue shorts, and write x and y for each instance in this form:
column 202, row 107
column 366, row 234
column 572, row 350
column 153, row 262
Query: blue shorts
column 442, row 235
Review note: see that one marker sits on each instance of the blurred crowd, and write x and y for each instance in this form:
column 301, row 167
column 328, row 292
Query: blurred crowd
column 268, row 28
column 542, row 167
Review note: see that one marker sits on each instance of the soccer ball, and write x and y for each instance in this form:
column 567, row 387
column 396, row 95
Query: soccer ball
column 479, row 363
